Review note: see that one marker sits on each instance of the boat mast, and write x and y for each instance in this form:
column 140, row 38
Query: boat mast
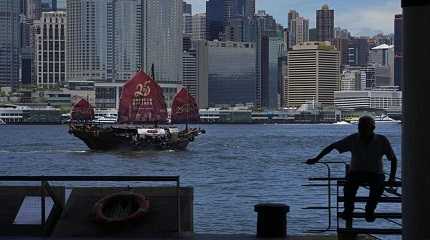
column 153, row 77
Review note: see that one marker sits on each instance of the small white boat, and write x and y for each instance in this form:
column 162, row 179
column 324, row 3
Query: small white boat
column 105, row 119
column 342, row 123
column 385, row 119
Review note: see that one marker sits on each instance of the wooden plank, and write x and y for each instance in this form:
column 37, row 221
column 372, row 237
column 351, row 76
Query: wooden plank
column 377, row 231
column 29, row 211
column 390, row 215
column 364, row 199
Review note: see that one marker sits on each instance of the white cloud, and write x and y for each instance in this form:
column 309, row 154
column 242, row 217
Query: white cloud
column 368, row 21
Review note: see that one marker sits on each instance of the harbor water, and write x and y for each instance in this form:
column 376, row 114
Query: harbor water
column 232, row 167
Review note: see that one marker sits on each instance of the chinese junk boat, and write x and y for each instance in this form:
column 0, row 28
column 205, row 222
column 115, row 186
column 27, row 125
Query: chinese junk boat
column 142, row 120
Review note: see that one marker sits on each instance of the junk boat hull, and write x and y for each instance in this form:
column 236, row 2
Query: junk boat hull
column 135, row 138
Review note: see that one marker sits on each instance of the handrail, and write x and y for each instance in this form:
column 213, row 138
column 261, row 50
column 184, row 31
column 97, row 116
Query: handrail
column 45, row 187
column 329, row 186
column 90, row 178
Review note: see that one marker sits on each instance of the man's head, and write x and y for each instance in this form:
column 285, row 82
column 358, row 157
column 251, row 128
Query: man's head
column 366, row 126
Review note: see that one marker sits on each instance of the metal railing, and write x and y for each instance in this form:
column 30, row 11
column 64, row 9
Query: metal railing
column 329, row 178
column 340, row 180
column 46, row 190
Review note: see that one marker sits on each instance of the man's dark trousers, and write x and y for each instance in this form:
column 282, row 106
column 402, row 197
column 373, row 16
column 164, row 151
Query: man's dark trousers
column 354, row 180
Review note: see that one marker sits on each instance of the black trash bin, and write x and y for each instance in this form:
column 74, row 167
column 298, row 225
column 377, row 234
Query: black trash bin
column 271, row 220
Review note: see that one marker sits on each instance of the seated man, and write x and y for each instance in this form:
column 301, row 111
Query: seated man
column 367, row 150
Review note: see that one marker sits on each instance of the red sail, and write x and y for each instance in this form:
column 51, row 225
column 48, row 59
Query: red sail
column 142, row 101
column 184, row 108
column 82, row 111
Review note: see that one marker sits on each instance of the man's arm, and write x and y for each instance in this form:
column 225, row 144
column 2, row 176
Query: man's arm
column 342, row 146
column 391, row 156
column 324, row 152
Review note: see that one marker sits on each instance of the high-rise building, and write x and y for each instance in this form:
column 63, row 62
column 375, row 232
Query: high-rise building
column 298, row 28
column 283, row 78
column 187, row 7
column 325, row 23
column 162, row 39
column 264, row 28
column 10, row 46
column 196, row 72
column 226, row 18
column 107, row 41
column 313, row 35
column 34, row 8
column 48, row 5
column 238, row 8
column 358, row 51
column 382, row 57
column 232, row 73
column 50, row 49
column 237, row 15
column 398, row 50
column 271, row 94
column 187, row 26
column 313, row 74
column 89, row 41
column 215, row 19
column 199, row 26
column 352, row 79
column 341, row 44
column 188, row 23
column 370, row 71
column 341, row 33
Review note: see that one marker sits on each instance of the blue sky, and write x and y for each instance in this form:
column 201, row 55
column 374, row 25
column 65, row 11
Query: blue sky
column 361, row 17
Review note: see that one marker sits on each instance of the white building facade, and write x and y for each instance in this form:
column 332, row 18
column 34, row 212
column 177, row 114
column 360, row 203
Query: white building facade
column 50, row 49
column 388, row 99
column 162, row 39
column 199, row 26
column 109, row 40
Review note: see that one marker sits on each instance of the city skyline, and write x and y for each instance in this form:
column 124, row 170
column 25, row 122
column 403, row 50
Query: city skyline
column 346, row 13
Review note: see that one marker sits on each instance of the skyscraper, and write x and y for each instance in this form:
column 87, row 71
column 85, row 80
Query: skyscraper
column 50, row 48
column 265, row 29
column 298, row 28
column 358, row 51
column 226, row 18
column 398, row 50
column 313, row 35
column 215, row 19
column 162, row 39
column 10, row 47
column 199, row 26
column 187, row 26
column 196, row 72
column 232, row 75
column 313, row 74
column 325, row 23
column 108, row 41
column 276, row 48
column 187, row 8
column 382, row 57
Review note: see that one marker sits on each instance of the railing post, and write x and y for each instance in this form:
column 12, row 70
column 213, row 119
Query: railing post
column 42, row 195
column 348, row 222
column 178, row 193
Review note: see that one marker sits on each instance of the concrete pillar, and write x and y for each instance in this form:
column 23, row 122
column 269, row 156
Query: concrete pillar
column 416, row 124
